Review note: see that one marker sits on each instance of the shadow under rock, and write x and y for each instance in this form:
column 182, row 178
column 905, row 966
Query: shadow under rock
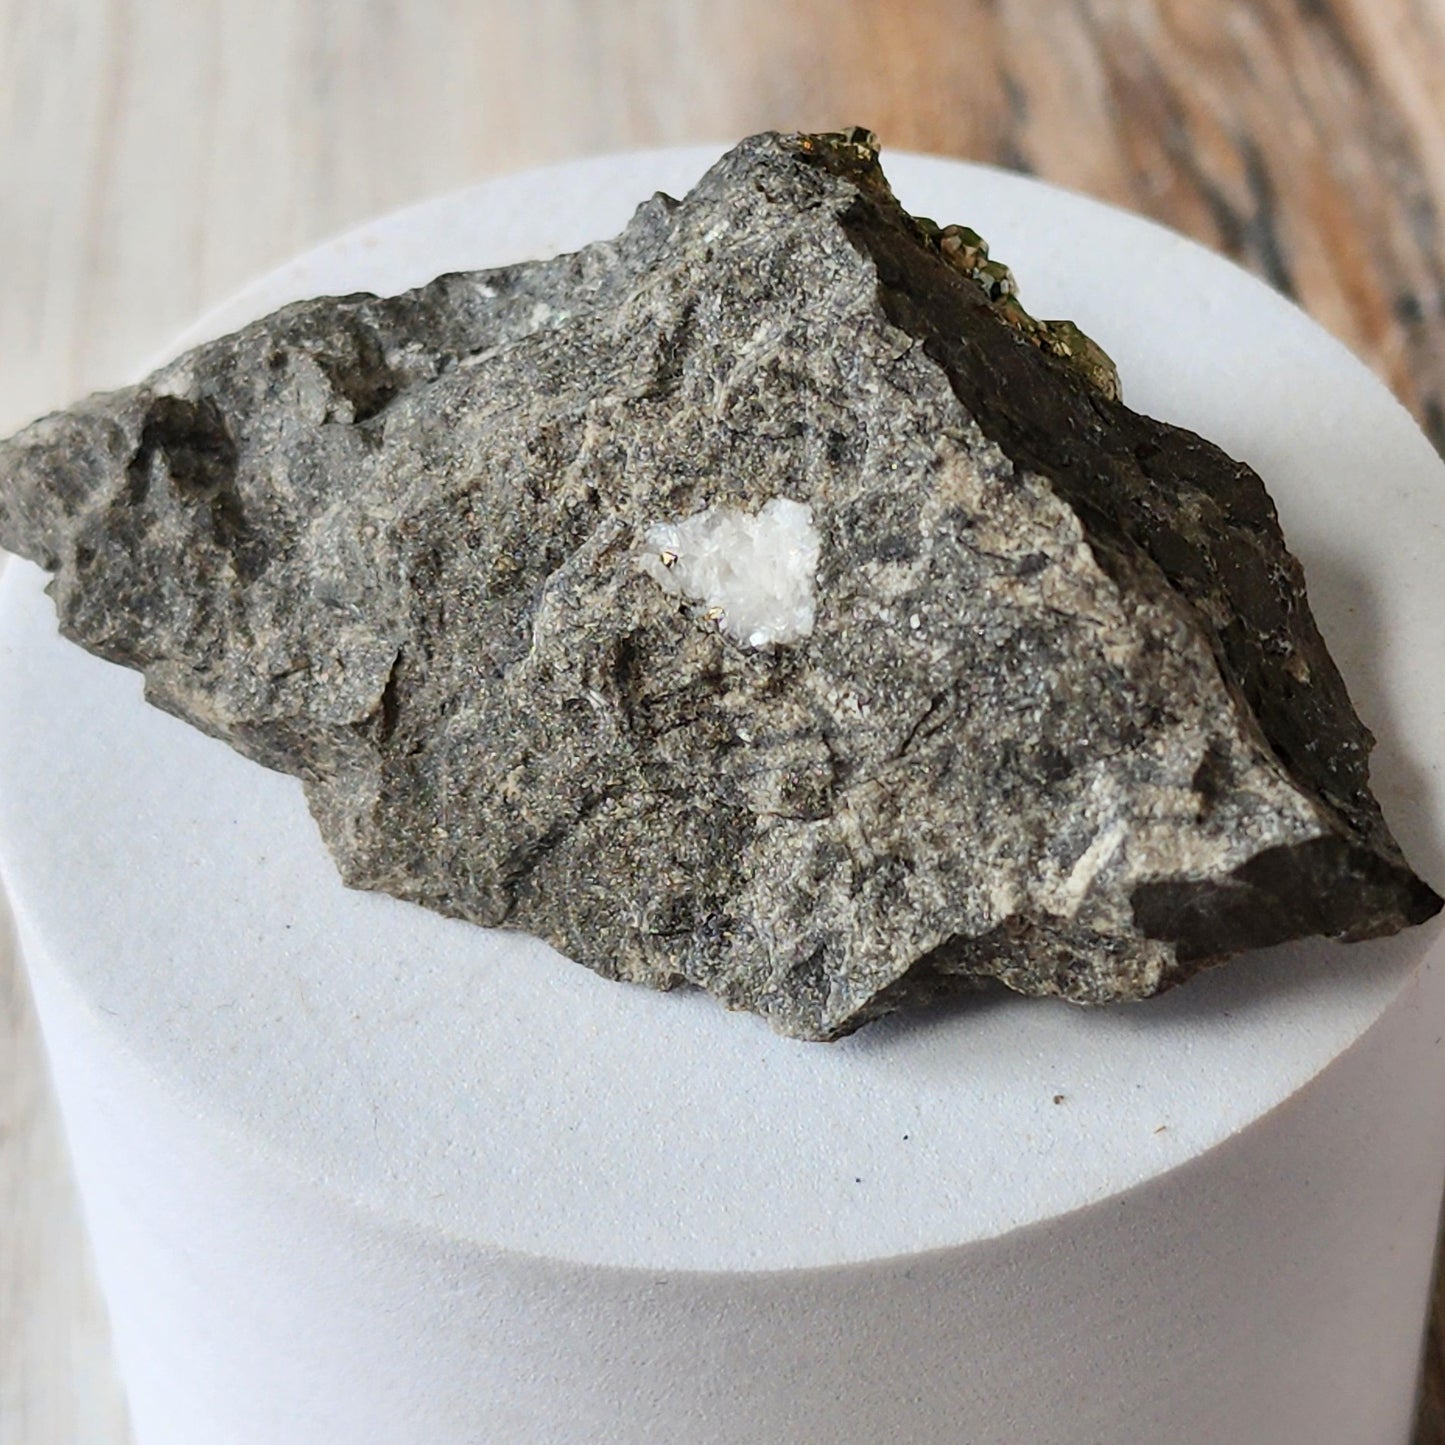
column 915, row 1022
column 1269, row 977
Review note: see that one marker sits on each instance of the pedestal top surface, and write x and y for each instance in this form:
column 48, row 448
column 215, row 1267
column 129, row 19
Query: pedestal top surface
column 473, row 1081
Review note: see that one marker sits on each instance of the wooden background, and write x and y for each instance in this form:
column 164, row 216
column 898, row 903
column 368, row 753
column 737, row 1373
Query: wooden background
column 156, row 153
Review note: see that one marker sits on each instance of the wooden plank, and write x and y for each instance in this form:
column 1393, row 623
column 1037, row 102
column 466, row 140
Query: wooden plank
column 154, row 154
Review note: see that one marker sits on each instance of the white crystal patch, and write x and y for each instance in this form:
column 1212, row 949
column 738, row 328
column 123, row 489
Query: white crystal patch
column 756, row 571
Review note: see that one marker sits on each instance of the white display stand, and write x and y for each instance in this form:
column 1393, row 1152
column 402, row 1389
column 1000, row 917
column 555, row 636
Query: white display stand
column 358, row 1175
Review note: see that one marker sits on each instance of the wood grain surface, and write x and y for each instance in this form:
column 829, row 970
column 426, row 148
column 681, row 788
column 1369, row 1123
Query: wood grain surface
column 154, row 154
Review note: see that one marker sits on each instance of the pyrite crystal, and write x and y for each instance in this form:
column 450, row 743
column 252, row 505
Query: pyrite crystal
column 761, row 599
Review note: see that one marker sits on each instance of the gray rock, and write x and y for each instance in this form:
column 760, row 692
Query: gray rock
column 1062, row 719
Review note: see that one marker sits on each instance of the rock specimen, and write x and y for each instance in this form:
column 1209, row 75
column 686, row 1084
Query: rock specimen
column 761, row 599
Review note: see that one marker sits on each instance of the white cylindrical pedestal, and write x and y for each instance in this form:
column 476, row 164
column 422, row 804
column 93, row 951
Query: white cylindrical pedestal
column 359, row 1175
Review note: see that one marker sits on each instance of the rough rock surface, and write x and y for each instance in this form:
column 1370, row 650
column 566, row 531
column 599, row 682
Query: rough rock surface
column 1062, row 718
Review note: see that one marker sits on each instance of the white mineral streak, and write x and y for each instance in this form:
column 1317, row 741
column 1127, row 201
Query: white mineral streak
column 756, row 572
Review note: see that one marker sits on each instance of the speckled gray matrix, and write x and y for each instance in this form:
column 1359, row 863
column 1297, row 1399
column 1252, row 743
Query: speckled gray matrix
column 1063, row 717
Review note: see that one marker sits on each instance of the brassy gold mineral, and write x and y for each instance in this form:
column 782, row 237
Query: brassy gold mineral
column 762, row 599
